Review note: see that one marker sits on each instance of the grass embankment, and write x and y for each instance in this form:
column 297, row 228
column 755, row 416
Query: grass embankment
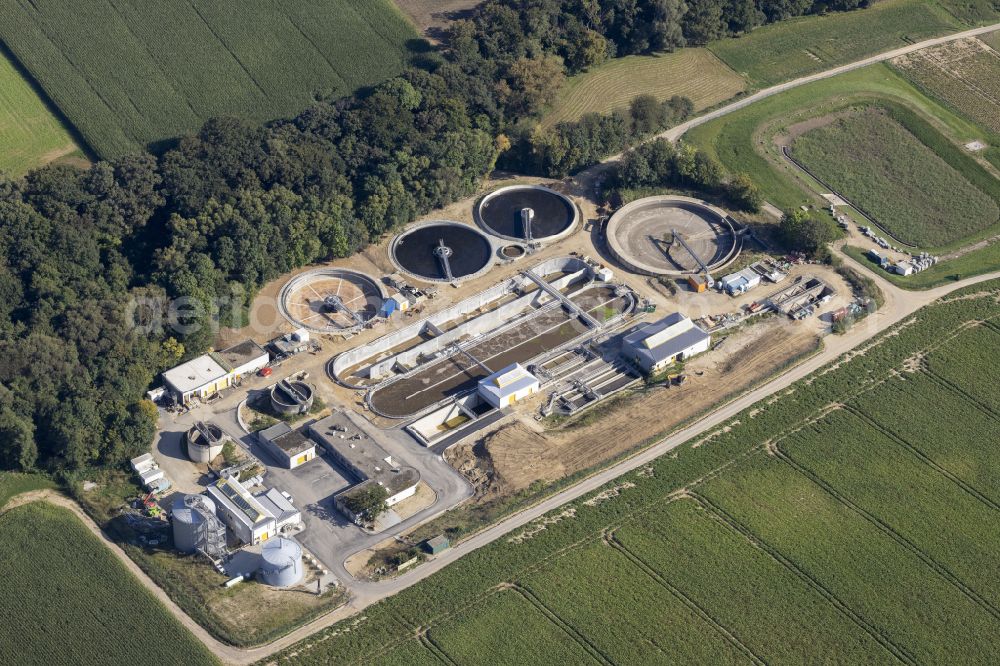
column 129, row 72
column 766, row 540
column 30, row 135
column 66, row 599
column 885, row 170
column 794, row 48
column 693, row 73
column 742, row 140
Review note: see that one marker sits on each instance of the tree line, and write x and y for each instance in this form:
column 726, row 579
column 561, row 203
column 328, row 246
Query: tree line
column 224, row 211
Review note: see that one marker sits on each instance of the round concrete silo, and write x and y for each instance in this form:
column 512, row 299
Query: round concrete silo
column 291, row 397
column 280, row 562
column 204, row 442
column 190, row 514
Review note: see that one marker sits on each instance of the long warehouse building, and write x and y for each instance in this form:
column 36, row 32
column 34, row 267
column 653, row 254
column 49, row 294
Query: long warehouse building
column 655, row 346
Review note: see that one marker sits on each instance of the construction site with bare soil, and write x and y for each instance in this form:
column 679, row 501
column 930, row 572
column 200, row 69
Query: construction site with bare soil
column 524, row 451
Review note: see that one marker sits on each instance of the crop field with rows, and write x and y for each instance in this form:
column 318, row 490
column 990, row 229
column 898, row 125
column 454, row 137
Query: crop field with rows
column 66, row 599
column 129, row 73
column 870, row 158
column 851, row 520
column 919, row 404
column 970, row 363
column 965, row 75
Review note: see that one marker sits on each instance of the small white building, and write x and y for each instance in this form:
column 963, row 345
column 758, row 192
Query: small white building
column 402, row 302
column 250, row 522
column 903, row 268
column 655, row 346
column 740, row 283
column 142, row 463
column 507, row 386
column 291, row 447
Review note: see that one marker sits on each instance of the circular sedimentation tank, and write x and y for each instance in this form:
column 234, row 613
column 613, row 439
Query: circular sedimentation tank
column 280, row 562
column 656, row 236
column 204, row 442
column 330, row 300
column 506, row 212
column 291, row 397
column 442, row 252
column 189, row 515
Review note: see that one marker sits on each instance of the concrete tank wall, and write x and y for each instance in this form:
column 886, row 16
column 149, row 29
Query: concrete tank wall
column 355, row 356
column 481, row 324
column 199, row 450
column 282, row 404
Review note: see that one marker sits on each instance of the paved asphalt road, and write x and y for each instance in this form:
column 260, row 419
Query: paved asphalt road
column 899, row 304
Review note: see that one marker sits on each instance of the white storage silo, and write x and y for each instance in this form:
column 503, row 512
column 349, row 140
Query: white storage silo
column 191, row 517
column 280, row 562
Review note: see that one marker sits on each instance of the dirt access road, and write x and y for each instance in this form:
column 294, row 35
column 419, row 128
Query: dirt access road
column 899, row 304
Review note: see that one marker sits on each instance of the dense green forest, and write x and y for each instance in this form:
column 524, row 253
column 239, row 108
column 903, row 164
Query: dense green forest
column 220, row 213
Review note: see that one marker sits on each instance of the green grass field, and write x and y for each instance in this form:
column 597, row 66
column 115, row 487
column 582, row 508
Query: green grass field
column 881, row 167
column 743, row 141
column 693, row 73
column 981, row 260
column 15, row 483
column 128, row 73
column 992, row 39
column 30, row 135
column 67, row 600
column 853, row 519
column 972, row 12
column 794, row 48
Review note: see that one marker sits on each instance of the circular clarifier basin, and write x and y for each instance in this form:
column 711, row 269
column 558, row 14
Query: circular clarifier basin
column 442, row 251
column 507, row 211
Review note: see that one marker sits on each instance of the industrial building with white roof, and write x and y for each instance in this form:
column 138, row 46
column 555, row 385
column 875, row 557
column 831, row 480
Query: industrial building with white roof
column 507, row 386
column 252, row 518
column 655, row 346
column 210, row 373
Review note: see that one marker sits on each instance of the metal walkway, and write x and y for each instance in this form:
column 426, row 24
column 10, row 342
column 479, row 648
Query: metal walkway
column 567, row 303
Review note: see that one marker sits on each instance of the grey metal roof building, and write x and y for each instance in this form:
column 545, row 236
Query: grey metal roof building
column 657, row 345
column 284, row 511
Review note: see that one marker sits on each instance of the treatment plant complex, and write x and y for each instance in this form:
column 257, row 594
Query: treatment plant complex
column 289, row 461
